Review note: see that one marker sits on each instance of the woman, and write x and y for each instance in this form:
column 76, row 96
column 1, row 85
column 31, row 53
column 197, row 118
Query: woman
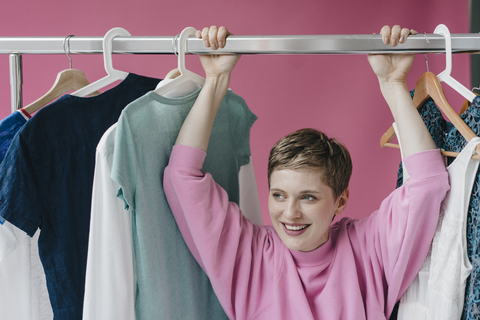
column 303, row 267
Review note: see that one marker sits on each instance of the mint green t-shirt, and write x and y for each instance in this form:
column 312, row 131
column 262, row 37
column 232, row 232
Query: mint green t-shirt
column 170, row 283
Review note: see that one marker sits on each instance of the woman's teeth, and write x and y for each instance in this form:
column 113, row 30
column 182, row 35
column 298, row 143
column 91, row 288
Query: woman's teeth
column 296, row 228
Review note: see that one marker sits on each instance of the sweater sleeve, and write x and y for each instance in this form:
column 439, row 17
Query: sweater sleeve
column 396, row 238
column 235, row 254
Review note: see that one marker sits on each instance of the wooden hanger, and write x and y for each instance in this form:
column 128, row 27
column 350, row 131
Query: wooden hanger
column 465, row 105
column 67, row 80
column 427, row 86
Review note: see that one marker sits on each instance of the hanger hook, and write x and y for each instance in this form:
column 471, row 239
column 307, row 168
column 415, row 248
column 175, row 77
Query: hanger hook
column 445, row 75
column 182, row 49
column 443, row 30
column 107, row 46
column 67, row 50
column 426, row 37
column 174, row 45
column 426, row 59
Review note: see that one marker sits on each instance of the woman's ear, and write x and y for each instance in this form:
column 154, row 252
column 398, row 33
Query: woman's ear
column 342, row 201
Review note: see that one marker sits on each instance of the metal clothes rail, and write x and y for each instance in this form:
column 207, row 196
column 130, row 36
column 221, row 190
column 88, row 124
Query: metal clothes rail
column 277, row 44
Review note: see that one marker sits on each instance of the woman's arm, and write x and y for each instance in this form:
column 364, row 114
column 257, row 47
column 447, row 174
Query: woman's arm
column 196, row 129
column 391, row 70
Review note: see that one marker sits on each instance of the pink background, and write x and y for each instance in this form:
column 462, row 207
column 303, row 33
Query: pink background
column 336, row 94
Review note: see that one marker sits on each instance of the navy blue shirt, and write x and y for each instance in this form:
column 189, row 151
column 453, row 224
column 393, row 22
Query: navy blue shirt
column 46, row 182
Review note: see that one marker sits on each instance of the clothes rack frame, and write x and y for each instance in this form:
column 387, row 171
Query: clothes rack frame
column 276, row 44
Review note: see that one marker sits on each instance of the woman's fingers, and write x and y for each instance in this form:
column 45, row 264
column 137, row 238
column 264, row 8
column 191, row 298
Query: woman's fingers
column 222, row 36
column 213, row 37
column 205, row 36
column 395, row 35
column 385, row 32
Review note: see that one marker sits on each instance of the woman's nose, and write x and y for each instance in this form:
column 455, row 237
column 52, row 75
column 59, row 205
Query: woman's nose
column 292, row 211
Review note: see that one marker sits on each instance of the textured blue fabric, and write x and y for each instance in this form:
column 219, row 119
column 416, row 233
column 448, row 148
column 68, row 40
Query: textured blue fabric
column 447, row 137
column 46, row 182
column 8, row 128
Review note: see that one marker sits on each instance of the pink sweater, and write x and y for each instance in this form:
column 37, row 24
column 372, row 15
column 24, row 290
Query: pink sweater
column 359, row 273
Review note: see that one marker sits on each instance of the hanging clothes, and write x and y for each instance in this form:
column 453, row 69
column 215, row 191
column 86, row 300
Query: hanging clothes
column 170, row 283
column 23, row 293
column 447, row 137
column 455, row 142
column 46, row 183
column 438, row 290
column 111, row 276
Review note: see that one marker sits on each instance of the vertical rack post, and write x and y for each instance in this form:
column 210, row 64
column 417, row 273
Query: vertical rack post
column 16, row 80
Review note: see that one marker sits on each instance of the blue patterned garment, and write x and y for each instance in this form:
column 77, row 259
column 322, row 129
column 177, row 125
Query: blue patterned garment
column 447, row 137
column 8, row 128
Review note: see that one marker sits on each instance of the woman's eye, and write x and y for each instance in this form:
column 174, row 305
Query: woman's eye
column 308, row 197
column 278, row 196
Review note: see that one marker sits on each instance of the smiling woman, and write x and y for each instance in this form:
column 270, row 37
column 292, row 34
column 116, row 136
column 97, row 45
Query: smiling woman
column 301, row 204
column 304, row 267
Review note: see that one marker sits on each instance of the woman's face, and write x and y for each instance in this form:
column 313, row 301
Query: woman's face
column 302, row 207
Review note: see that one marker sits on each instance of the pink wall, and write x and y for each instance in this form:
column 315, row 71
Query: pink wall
column 336, row 94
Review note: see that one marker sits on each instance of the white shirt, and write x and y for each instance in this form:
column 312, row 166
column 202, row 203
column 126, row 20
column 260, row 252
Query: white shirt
column 110, row 274
column 23, row 287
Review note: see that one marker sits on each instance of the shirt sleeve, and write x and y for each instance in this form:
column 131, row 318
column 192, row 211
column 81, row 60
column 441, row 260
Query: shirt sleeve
column 125, row 163
column 20, row 188
column 241, row 118
column 397, row 237
column 235, row 254
column 110, row 274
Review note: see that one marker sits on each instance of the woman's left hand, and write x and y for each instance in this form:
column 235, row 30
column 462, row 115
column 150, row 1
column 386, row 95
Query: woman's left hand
column 392, row 67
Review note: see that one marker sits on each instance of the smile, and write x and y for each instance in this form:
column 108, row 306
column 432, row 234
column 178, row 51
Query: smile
column 295, row 230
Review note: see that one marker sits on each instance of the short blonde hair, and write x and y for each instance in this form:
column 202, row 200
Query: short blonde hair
column 310, row 148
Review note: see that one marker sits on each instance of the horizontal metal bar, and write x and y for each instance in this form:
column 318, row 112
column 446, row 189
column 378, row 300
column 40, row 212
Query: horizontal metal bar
column 276, row 44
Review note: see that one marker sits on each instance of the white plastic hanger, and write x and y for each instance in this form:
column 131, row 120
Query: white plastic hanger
column 185, row 89
column 185, row 75
column 445, row 76
column 113, row 74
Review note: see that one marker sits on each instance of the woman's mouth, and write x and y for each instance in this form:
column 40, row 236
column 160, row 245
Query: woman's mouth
column 295, row 229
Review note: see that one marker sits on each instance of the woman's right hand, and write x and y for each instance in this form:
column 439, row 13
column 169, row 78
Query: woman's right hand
column 216, row 64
